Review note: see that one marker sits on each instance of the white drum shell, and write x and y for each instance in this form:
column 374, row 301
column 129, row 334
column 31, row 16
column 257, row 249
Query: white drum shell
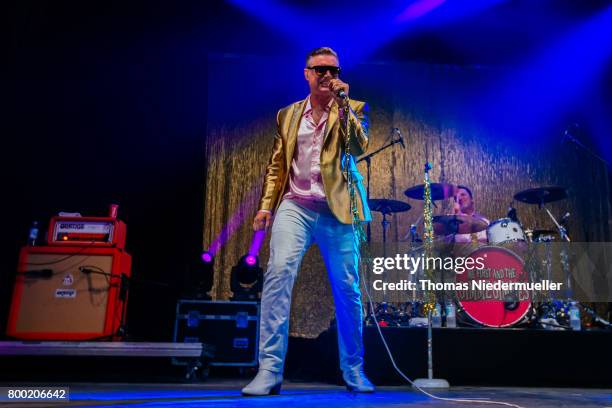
column 505, row 230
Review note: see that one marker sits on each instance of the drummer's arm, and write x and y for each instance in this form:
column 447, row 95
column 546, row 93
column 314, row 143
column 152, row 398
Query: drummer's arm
column 482, row 235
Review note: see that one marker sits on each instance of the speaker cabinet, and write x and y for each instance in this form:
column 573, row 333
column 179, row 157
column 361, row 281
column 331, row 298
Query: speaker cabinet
column 71, row 293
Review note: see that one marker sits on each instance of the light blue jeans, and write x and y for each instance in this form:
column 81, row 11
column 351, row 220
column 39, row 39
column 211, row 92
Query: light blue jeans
column 296, row 226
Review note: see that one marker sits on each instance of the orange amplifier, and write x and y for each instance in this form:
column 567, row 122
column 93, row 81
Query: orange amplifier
column 87, row 231
column 70, row 293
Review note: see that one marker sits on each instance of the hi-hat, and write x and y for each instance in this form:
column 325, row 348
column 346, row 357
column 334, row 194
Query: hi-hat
column 386, row 206
column 541, row 195
column 439, row 191
column 458, row 224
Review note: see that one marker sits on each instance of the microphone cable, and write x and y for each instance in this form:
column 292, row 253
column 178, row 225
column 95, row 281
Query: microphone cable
column 359, row 237
column 405, row 377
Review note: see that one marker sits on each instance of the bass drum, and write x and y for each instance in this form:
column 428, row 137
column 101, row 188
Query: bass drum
column 494, row 307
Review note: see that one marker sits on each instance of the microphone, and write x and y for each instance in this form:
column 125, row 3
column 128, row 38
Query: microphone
column 400, row 139
column 339, row 93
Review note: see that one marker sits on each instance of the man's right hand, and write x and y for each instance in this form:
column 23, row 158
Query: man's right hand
column 262, row 220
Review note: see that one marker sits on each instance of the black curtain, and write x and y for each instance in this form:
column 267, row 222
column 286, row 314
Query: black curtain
column 106, row 102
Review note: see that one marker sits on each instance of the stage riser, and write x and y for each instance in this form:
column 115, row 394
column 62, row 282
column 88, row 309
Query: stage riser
column 501, row 357
column 469, row 357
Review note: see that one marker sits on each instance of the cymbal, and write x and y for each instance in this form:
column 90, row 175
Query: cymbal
column 388, row 206
column 458, row 224
column 439, row 191
column 541, row 195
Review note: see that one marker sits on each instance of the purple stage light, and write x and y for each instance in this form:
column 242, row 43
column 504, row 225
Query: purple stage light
column 207, row 257
column 250, row 260
column 234, row 222
column 256, row 241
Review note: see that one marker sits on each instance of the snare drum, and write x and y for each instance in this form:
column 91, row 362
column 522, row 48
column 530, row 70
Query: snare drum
column 505, row 230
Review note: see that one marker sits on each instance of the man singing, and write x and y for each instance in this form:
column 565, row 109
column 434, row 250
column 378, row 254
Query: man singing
column 305, row 188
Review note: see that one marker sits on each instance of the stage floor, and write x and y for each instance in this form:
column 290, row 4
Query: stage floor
column 227, row 393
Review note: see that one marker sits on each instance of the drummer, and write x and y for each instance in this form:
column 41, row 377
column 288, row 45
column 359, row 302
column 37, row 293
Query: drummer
column 464, row 205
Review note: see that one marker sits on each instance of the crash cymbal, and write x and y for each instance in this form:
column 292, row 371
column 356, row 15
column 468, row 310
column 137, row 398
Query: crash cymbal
column 541, row 195
column 458, row 224
column 386, row 206
column 439, row 191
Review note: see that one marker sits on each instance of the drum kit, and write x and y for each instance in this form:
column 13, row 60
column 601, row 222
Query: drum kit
column 506, row 246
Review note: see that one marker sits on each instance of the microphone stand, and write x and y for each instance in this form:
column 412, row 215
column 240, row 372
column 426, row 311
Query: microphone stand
column 562, row 230
column 429, row 299
column 568, row 135
column 367, row 158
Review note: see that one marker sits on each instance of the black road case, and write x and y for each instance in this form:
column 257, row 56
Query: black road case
column 230, row 328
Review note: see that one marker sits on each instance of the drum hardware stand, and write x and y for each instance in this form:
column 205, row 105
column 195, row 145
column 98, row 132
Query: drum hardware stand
column 532, row 270
column 385, row 225
column 548, row 261
column 367, row 158
column 563, row 254
column 562, row 231
column 566, row 272
column 387, row 207
column 548, row 308
column 552, row 306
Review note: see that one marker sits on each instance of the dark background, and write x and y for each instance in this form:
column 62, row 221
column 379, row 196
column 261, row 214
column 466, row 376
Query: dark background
column 106, row 102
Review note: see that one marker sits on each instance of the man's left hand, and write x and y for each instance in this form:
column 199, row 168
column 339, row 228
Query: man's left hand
column 335, row 85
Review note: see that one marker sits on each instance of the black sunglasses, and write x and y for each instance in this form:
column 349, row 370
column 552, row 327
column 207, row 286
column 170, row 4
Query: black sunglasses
column 320, row 70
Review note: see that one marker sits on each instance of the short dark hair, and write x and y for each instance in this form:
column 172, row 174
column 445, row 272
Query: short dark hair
column 466, row 189
column 321, row 51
